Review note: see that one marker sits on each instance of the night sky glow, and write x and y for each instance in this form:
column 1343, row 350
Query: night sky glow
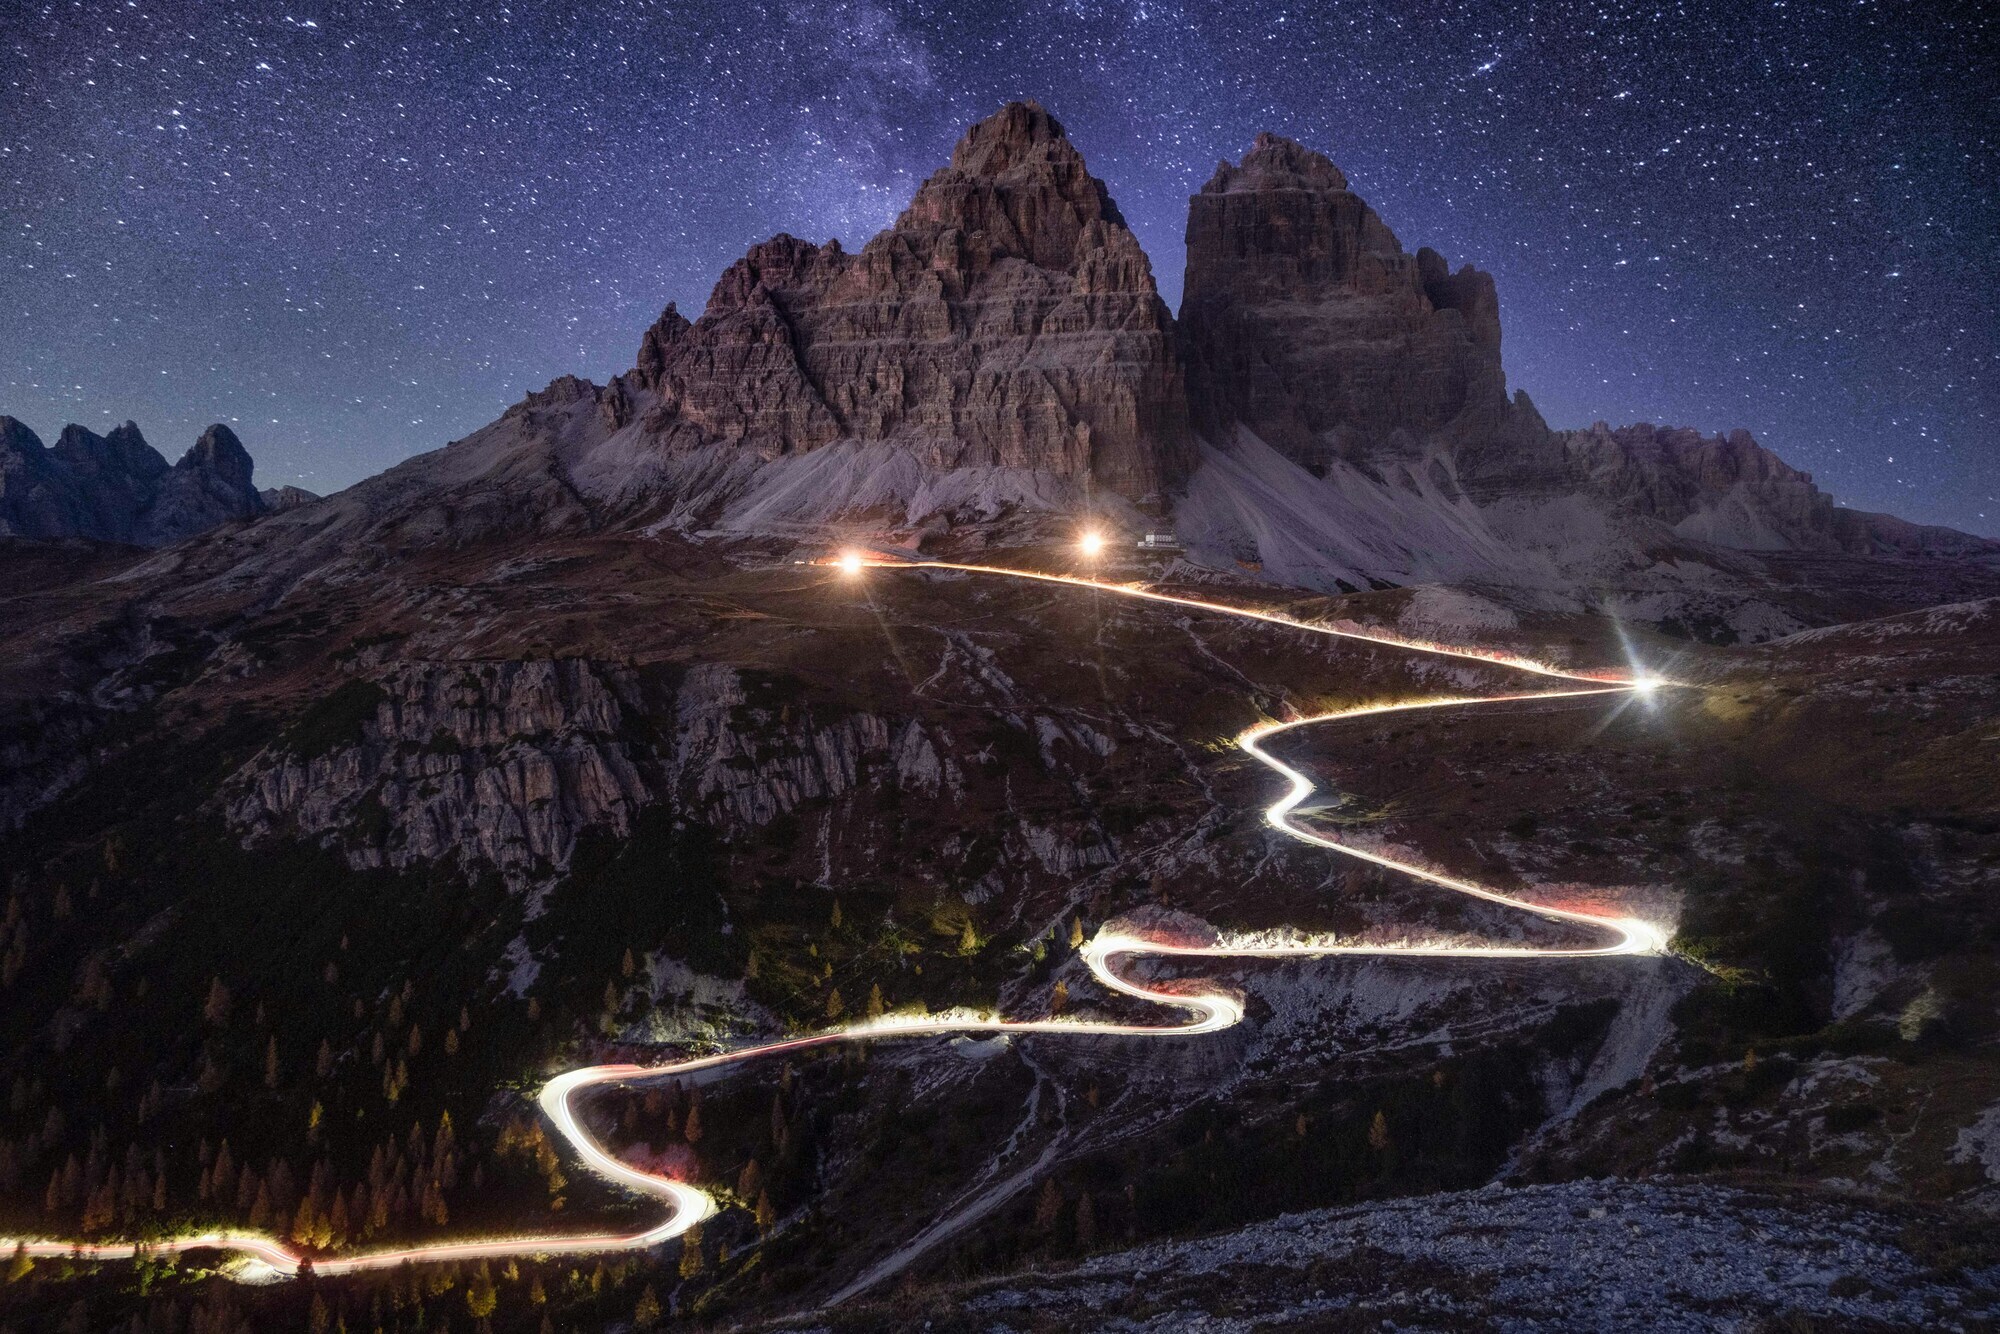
column 358, row 230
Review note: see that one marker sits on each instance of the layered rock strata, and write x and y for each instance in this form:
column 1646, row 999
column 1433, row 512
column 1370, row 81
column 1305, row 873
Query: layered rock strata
column 1008, row 319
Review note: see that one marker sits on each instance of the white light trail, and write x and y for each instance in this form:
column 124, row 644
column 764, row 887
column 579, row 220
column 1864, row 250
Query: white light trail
column 1207, row 1011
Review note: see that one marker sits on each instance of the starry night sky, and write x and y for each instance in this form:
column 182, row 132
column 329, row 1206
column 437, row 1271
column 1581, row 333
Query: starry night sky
column 358, row 230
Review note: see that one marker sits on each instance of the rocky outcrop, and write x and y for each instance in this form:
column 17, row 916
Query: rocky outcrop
column 1305, row 321
column 1729, row 491
column 278, row 499
column 1008, row 319
column 117, row 488
column 498, row 764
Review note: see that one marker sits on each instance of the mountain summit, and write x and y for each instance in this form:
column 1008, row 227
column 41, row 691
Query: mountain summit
column 117, row 488
column 1007, row 320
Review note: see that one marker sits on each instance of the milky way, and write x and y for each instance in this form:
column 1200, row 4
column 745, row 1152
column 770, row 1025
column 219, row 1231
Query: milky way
column 355, row 231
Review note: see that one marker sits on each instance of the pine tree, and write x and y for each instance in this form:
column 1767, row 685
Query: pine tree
column 767, row 1217
column 260, row 1208
column 323, row 1067
column 1086, row 1223
column 691, row 1258
column 481, row 1297
column 216, row 1008
column 1378, row 1133
column 628, row 965
column 836, row 914
column 1048, row 1206
column 1076, row 933
column 875, row 1007
column 647, row 1313
column 835, row 1007
column 21, row 1265
column 1059, row 997
column 968, row 939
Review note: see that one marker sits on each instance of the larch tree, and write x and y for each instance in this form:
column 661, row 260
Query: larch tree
column 691, row 1257
column 216, row 1008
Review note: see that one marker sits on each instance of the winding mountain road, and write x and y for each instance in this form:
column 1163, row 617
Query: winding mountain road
column 266, row 1257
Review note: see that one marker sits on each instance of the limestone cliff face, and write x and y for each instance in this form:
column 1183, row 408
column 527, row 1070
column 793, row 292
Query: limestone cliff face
column 503, row 765
column 117, row 488
column 1008, row 319
column 485, row 764
column 1306, row 321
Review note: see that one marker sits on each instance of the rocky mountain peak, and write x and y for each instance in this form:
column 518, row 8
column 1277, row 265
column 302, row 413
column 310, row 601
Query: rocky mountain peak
column 1306, row 322
column 1018, row 185
column 666, row 331
column 220, row 454
column 117, row 488
column 122, row 453
column 1009, row 319
column 1020, row 137
column 1276, row 163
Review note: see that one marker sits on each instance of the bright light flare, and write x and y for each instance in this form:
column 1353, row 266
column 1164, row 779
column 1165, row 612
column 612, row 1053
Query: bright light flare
column 1091, row 544
column 850, row 563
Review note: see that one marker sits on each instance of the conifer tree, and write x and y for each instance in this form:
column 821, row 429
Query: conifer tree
column 692, row 1130
column 1048, row 1206
column 481, row 1297
column 647, row 1313
column 691, row 1257
column 216, row 1008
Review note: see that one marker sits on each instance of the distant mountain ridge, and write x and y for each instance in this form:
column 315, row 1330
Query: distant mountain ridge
column 117, row 488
